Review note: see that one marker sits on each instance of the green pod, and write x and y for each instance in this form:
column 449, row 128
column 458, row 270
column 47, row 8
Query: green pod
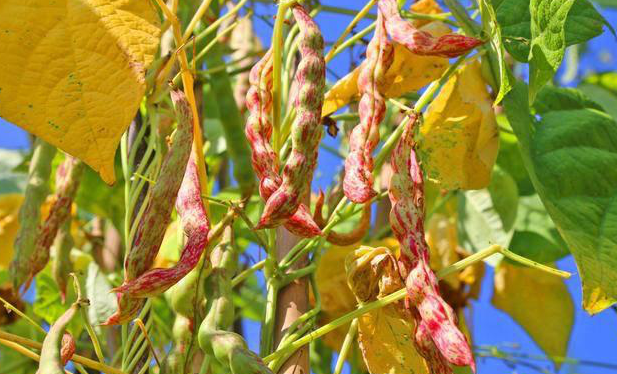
column 51, row 358
column 37, row 190
column 61, row 265
column 184, row 294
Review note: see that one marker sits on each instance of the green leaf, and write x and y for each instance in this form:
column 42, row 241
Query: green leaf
column 536, row 237
column 604, row 97
column 583, row 23
column 509, row 158
column 492, row 28
column 548, row 41
column 571, row 156
column 11, row 181
column 487, row 216
column 102, row 303
column 48, row 305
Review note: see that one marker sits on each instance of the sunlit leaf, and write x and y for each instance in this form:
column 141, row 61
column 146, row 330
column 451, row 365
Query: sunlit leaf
column 459, row 139
column 73, row 71
column 539, row 302
column 9, row 224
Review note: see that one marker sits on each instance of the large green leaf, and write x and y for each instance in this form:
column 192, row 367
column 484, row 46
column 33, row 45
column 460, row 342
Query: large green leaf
column 548, row 41
column 571, row 153
column 536, row 237
column 583, row 23
column 487, row 216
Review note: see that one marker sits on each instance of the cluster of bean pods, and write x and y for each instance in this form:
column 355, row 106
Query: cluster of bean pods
column 225, row 347
column 157, row 214
column 284, row 193
column 358, row 182
column 437, row 336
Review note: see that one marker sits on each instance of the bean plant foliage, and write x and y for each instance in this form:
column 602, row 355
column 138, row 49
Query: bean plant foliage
column 168, row 192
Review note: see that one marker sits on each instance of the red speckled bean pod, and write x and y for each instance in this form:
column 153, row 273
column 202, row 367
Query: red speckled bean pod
column 358, row 182
column 68, row 177
column 156, row 216
column 259, row 133
column 196, row 227
column 421, row 42
column 438, row 334
column 306, row 130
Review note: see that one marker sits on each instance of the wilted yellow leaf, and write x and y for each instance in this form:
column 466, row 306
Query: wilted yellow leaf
column 386, row 342
column 459, row 137
column 408, row 72
column 73, row 71
column 385, row 335
column 442, row 239
column 9, row 224
column 537, row 301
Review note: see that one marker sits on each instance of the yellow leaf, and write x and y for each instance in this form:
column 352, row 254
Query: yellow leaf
column 408, row 72
column 9, row 224
column 425, row 7
column 442, row 239
column 73, row 71
column 537, row 301
column 386, row 342
column 385, row 335
column 459, row 137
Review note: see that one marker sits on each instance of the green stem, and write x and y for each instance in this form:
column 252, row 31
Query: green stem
column 277, row 52
column 347, row 343
column 238, row 279
column 361, row 14
column 400, row 294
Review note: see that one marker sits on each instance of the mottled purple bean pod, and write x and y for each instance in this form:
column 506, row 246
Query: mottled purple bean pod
column 68, row 177
column 259, row 133
column 358, row 182
column 421, row 42
column 439, row 337
column 157, row 214
column 30, row 214
column 306, row 130
column 196, row 226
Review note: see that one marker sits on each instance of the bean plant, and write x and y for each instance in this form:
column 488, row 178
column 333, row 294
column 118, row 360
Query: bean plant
column 206, row 176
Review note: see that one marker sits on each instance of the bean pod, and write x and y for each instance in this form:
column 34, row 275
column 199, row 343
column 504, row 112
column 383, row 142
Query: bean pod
column 156, row 216
column 358, row 181
column 437, row 335
column 421, row 42
column 226, row 347
column 196, row 227
column 58, row 347
column 306, row 131
column 259, row 133
column 30, row 214
column 61, row 265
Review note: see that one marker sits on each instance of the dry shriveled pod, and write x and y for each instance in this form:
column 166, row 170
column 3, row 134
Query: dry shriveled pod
column 435, row 319
column 30, row 214
column 306, row 131
column 343, row 239
column 156, row 216
column 259, row 133
column 196, row 226
column 421, row 42
column 358, row 181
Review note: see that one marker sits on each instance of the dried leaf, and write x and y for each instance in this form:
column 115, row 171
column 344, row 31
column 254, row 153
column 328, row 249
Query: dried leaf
column 537, row 301
column 459, row 137
column 74, row 72
column 408, row 72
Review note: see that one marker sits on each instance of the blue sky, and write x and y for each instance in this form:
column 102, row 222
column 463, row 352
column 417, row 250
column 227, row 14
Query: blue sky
column 593, row 338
